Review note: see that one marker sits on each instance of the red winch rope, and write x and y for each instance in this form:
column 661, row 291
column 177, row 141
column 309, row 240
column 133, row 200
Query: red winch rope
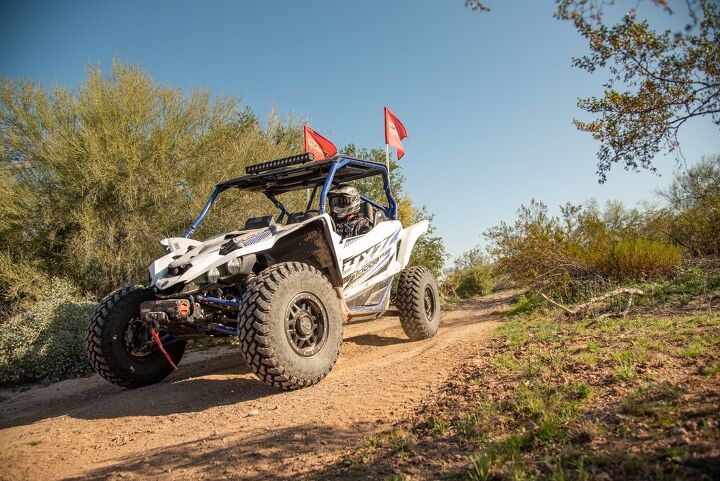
column 156, row 338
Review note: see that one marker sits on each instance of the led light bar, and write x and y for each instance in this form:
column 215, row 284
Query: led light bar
column 275, row 164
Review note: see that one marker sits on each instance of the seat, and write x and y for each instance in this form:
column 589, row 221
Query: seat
column 374, row 215
column 379, row 217
column 368, row 211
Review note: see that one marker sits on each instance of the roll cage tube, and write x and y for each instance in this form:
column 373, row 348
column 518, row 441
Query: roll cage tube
column 193, row 227
column 311, row 198
column 278, row 204
column 390, row 211
column 203, row 212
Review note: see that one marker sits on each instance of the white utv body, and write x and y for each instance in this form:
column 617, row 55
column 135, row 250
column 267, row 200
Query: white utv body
column 283, row 285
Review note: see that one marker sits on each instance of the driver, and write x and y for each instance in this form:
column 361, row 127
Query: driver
column 344, row 203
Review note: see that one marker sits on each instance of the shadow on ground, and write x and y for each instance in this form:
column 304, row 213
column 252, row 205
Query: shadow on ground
column 322, row 452
column 376, row 340
column 191, row 389
column 278, row 454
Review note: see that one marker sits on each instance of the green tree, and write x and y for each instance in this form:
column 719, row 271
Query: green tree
column 656, row 80
column 473, row 257
column 93, row 178
column 372, row 187
column 429, row 250
column 694, row 204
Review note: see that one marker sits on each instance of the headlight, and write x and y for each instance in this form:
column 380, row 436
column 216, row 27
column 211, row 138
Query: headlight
column 233, row 266
column 212, row 275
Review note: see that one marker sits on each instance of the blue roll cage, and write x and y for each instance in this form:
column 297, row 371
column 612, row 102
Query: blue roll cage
column 337, row 163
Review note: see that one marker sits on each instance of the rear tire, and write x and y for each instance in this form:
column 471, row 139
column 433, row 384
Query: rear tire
column 290, row 326
column 418, row 303
column 107, row 341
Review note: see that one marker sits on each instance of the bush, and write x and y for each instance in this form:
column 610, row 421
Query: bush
column 527, row 302
column 475, row 280
column 641, row 259
column 694, row 203
column 471, row 275
column 583, row 251
column 91, row 179
column 21, row 283
column 691, row 282
column 47, row 342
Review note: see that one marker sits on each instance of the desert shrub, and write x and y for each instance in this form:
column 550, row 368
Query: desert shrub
column 586, row 249
column 92, row 178
column 48, row 340
column 471, row 275
column 21, row 283
column 694, row 205
column 475, row 281
column 641, row 259
column 581, row 252
column 527, row 302
column 690, row 282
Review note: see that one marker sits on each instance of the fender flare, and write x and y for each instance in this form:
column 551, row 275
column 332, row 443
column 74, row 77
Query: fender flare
column 310, row 243
column 408, row 237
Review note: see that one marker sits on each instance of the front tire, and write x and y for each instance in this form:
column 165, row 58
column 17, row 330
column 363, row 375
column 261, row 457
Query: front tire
column 290, row 326
column 115, row 338
column 418, row 303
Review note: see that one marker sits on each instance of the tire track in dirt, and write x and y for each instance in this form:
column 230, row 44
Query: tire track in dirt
column 214, row 420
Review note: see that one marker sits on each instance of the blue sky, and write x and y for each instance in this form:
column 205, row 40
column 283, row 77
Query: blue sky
column 487, row 99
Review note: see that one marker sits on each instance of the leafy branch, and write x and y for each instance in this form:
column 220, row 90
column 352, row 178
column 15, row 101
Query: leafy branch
column 667, row 79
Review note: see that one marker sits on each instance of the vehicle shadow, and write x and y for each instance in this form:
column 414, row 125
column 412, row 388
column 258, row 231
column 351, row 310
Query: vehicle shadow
column 207, row 379
column 376, row 340
column 265, row 455
column 191, row 389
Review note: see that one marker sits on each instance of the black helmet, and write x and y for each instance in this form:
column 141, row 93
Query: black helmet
column 344, row 201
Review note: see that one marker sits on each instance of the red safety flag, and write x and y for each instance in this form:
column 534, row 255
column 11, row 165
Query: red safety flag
column 394, row 132
column 318, row 145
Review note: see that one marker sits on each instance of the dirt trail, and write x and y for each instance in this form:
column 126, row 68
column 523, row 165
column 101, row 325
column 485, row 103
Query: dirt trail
column 214, row 420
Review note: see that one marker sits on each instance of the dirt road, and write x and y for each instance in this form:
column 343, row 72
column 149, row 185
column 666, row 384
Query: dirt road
column 214, row 420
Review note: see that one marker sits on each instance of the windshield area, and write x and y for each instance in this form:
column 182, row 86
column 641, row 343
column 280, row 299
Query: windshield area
column 295, row 194
column 234, row 210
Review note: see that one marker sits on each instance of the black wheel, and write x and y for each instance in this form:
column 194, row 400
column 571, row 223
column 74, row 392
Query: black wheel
column 418, row 303
column 290, row 326
column 119, row 345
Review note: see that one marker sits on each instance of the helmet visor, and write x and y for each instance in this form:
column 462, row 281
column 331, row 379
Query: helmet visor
column 340, row 200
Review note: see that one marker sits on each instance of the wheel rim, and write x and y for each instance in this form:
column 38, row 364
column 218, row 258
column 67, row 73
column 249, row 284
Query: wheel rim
column 138, row 342
column 429, row 302
column 306, row 324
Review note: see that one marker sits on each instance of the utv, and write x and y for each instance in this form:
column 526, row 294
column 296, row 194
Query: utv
column 283, row 285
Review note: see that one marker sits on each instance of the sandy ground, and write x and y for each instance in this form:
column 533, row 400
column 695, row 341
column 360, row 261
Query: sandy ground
column 214, row 420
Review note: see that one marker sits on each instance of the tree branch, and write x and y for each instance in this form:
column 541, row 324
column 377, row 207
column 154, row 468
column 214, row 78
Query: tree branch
column 630, row 291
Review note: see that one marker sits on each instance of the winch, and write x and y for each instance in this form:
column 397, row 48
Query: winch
column 165, row 310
